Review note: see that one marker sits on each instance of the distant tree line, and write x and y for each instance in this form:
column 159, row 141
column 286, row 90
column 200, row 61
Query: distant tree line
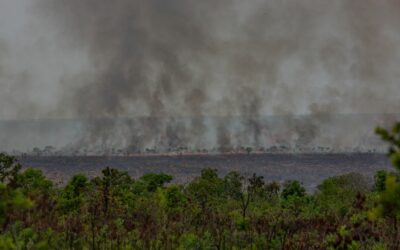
column 104, row 151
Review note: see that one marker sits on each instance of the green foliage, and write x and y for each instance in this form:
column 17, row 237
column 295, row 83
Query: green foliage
column 293, row 188
column 33, row 179
column 191, row 241
column 150, row 182
column 9, row 168
column 11, row 200
column 174, row 197
column 388, row 204
column 207, row 189
column 114, row 211
column 72, row 197
column 380, row 180
column 7, row 242
column 392, row 136
column 233, row 185
column 272, row 190
column 342, row 188
column 256, row 185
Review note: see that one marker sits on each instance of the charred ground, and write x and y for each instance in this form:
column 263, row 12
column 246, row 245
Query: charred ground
column 310, row 169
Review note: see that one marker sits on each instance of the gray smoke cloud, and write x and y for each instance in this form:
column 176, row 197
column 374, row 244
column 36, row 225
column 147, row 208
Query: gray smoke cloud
column 200, row 74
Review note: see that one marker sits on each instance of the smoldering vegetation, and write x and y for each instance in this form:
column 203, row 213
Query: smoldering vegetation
column 170, row 75
column 182, row 135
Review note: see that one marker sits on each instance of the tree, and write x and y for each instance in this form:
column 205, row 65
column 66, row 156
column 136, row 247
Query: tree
column 207, row 189
column 336, row 194
column 256, row 185
column 150, row 182
column 107, row 203
column 112, row 185
column 244, row 190
column 74, row 191
column 48, row 150
column 254, row 188
column 72, row 201
column 36, row 151
column 293, row 188
column 40, row 190
column 389, row 199
column 272, row 190
column 12, row 203
column 380, row 180
column 393, row 138
column 233, row 185
column 248, row 150
column 33, row 181
column 9, row 169
column 12, row 200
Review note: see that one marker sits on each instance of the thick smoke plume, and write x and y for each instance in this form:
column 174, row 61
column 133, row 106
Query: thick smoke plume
column 202, row 74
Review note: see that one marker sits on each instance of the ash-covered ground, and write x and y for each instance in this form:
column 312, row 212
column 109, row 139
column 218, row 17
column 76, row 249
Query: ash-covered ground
column 311, row 169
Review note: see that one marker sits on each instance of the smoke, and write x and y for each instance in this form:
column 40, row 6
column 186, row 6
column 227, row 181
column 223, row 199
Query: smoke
column 199, row 74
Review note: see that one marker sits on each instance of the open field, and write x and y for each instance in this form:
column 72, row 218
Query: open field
column 311, row 169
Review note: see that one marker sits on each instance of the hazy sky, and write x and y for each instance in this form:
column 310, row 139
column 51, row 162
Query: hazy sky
column 101, row 58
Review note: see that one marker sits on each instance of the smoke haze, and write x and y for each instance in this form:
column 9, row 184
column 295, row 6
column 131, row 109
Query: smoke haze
column 167, row 74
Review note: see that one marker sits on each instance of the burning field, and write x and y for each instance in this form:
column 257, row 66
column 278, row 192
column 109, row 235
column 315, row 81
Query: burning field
column 199, row 124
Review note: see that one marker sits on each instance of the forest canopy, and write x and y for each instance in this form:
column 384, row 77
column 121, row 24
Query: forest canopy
column 115, row 211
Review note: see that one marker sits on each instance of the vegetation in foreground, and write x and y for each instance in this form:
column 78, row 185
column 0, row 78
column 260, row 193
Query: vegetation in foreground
column 114, row 211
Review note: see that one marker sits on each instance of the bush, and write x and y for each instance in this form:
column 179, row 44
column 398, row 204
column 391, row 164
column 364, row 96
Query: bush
column 293, row 188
